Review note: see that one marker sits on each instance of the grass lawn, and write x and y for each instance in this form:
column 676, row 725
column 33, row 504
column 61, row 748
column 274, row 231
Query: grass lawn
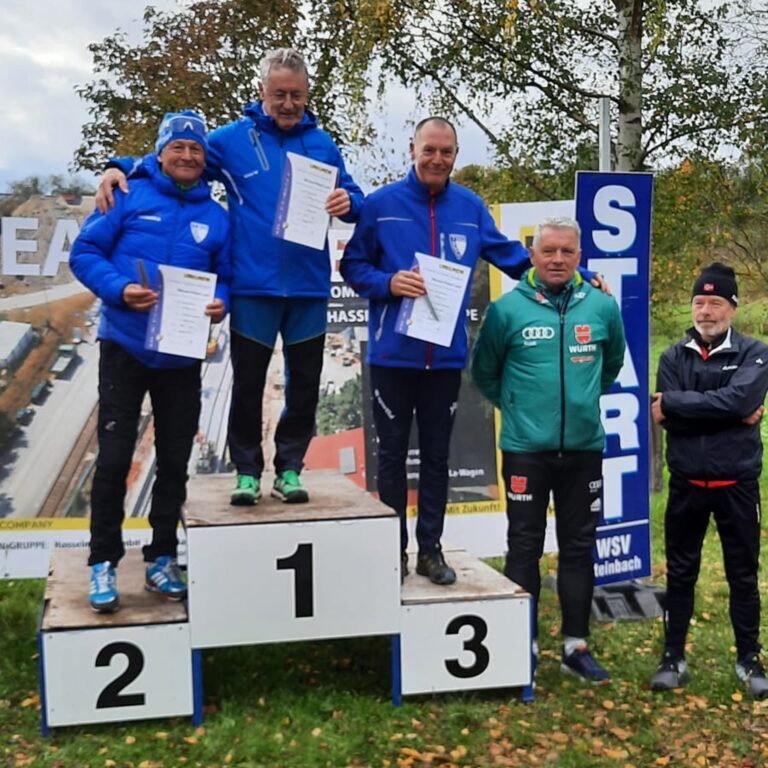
column 327, row 703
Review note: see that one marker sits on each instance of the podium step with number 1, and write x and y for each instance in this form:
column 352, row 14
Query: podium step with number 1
column 281, row 572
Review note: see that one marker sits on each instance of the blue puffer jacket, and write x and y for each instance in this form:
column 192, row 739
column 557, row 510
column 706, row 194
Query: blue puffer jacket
column 160, row 224
column 248, row 157
column 395, row 222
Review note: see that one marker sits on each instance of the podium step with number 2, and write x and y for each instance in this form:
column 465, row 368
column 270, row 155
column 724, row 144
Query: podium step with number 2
column 134, row 664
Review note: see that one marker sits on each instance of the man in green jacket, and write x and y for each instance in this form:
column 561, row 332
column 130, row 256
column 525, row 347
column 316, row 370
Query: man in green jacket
column 544, row 355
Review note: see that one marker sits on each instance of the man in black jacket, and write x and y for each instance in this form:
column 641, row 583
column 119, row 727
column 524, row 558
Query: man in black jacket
column 711, row 387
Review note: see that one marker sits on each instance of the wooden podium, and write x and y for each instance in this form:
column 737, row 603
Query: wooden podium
column 270, row 573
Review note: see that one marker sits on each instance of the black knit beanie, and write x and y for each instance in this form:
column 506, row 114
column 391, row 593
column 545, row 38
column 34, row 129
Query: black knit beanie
column 717, row 280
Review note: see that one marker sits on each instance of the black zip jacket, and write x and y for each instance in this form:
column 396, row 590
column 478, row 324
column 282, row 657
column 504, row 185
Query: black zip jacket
column 705, row 398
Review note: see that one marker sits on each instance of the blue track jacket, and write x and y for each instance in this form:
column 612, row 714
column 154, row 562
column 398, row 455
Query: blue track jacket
column 158, row 223
column 395, row 222
column 248, row 156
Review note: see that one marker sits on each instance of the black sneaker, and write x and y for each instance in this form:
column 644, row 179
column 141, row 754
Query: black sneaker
column 432, row 565
column 582, row 664
column 751, row 672
column 671, row 673
column 403, row 566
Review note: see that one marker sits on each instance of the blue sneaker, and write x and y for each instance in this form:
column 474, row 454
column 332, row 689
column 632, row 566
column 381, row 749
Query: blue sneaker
column 103, row 592
column 164, row 576
column 582, row 664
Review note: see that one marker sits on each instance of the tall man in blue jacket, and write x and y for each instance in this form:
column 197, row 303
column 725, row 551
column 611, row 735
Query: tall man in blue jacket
column 169, row 218
column 710, row 392
column 424, row 213
column 277, row 286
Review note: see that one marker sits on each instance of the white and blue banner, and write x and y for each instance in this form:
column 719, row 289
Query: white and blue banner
column 614, row 211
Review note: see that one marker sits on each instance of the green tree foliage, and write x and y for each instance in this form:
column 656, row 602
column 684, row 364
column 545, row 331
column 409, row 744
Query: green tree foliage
column 205, row 57
column 529, row 72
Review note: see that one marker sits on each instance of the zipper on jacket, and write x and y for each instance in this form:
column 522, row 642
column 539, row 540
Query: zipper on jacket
column 433, row 252
column 176, row 219
column 563, row 308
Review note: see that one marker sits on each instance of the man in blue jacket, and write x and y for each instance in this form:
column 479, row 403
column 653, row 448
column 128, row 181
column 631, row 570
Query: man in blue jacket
column 169, row 218
column 424, row 213
column 277, row 286
column 710, row 392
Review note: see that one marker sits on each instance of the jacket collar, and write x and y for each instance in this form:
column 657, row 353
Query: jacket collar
column 727, row 343
column 413, row 182
column 266, row 123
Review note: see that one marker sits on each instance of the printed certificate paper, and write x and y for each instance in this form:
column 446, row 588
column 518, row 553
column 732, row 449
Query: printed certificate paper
column 301, row 216
column 433, row 317
column 178, row 324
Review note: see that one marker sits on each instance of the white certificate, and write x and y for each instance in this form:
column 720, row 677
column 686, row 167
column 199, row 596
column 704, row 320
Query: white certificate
column 433, row 317
column 301, row 216
column 178, row 324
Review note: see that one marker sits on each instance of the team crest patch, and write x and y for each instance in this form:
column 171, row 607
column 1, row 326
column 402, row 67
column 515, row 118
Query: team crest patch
column 518, row 483
column 709, row 287
column 583, row 333
column 199, row 231
column 458, row 245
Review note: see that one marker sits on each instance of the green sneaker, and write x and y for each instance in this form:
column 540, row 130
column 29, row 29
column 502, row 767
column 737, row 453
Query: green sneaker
column 247, row 491
column 288, row 487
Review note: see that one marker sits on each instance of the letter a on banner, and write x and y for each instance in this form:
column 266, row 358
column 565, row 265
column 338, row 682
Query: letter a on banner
column 614, row 211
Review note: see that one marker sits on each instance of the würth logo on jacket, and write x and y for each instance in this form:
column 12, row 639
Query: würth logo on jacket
column 583, row 334
column 199, row 230
column 517, row 487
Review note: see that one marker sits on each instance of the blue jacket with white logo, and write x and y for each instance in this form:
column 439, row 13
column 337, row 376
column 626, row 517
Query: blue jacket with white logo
column 248, row 156
column 157, row 223
column 403, row 218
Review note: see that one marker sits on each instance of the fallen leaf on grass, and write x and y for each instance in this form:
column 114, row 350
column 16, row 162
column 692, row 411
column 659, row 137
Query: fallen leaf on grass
column 621, row 733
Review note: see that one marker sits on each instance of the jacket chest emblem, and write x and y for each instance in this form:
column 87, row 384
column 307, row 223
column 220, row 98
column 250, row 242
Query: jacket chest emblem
column 458, row 245
column 199, row 231
column 583, row 334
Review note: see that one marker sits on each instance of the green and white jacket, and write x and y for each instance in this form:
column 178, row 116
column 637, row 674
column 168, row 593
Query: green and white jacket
column 544, row 359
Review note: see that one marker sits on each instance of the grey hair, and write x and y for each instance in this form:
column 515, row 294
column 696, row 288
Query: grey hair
column 556, row 222
column 289, row 58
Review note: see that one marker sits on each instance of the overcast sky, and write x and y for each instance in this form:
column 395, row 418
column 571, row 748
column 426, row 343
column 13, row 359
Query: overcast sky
column 44, row 55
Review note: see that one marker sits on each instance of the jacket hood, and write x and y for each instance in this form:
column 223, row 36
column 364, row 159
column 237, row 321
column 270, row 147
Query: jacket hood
column 167, row 186
column 265, row 122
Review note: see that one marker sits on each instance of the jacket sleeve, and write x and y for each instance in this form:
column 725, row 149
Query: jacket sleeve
column 613, row 354
column 361, row 263
column 743, row 395
column 132, row 167
column 488, row 355
column 510, row 256
column 356, row 195
column 90, row 257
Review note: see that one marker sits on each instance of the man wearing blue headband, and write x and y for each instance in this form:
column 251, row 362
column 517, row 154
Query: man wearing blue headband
column 169, row 218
